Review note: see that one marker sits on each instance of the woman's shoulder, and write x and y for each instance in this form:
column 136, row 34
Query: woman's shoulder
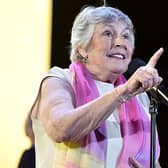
column 61, row 73
column 58, row 71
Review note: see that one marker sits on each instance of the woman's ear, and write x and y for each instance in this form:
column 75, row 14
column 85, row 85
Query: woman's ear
column 82, row 51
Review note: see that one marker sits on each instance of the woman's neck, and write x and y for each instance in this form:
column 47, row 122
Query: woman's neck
column 102, row 75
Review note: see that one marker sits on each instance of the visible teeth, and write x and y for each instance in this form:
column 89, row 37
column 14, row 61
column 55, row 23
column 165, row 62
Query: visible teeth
column 117, row 56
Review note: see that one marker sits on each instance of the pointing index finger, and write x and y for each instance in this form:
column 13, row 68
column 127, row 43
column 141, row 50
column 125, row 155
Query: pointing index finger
column 154, row 59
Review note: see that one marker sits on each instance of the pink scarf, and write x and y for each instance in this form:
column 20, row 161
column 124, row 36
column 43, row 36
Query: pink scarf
column 134, row 123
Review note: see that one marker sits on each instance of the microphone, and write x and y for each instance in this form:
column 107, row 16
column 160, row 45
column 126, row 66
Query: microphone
column 161, row 90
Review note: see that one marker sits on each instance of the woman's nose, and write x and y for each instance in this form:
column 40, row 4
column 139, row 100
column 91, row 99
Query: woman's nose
column 118, row 41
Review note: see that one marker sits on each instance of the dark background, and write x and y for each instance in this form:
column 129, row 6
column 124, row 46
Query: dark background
column 151, row 32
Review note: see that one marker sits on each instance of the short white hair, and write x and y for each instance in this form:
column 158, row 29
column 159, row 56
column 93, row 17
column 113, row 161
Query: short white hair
column 85, row 22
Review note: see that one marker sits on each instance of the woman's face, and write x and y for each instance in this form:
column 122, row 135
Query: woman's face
column 110, row 50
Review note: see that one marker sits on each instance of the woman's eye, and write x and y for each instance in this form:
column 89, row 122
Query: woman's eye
column 108, row 34
column 126, row 36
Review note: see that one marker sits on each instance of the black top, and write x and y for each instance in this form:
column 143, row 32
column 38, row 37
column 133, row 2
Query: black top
column 27, row 159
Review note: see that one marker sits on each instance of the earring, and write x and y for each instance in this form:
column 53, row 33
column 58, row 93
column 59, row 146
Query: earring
column 85, row 59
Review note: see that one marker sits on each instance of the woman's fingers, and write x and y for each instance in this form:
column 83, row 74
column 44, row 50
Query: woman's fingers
column 150, row 77
column 154, row 59
column 147, row 76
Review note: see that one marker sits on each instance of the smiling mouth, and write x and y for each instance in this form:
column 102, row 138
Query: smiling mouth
column 117, row 55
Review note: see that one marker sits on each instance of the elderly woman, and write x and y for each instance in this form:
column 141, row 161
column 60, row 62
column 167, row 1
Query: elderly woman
column 88, row 115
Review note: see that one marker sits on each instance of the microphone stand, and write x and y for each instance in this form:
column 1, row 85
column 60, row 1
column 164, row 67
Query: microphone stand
column 153, row 112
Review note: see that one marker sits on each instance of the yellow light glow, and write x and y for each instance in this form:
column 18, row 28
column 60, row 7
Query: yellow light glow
column 25, row 31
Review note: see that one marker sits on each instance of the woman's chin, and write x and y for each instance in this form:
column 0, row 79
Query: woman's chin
column 119, row 70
